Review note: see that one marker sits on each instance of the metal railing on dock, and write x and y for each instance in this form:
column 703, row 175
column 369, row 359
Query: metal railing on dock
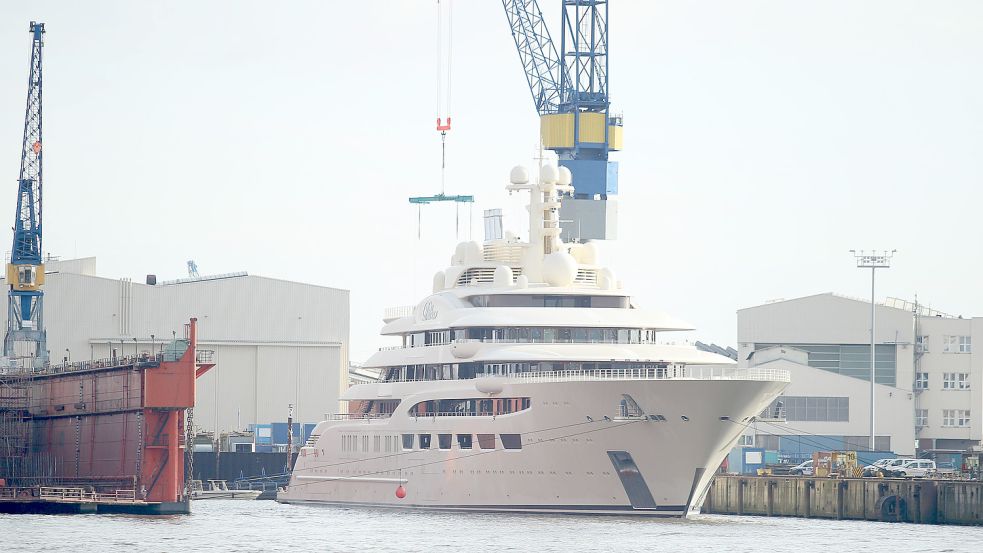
column 64, row 494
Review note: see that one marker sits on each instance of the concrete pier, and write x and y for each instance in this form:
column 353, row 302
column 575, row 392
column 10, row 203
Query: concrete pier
column 881, row 499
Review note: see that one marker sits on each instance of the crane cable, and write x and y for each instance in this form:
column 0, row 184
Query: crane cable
column 445, row 54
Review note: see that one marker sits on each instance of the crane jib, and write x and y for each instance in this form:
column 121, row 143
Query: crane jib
column 25, row 272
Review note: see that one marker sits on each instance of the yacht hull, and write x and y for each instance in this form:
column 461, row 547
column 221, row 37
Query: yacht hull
column 579, row 453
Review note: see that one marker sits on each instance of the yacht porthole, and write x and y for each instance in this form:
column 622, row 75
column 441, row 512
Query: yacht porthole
column 685, row 418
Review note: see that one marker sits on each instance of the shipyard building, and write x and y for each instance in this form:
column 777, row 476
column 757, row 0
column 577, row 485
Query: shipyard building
column 928, row 381
column 275, row 342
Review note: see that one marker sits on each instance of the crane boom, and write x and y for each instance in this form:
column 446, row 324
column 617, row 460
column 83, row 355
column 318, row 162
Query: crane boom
column 538, row 55
column 25, row 272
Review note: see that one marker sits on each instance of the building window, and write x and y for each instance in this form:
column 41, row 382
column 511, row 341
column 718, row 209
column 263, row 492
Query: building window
column 921, row 417
column 955, row 381
column 812, row 409
column 849, row 359
column 464, row 441
column 768, row 441
column 921, row 381
column 955, row 418
column 921, row 344
column 747, row 440
column 407, row 441
column 957, row 344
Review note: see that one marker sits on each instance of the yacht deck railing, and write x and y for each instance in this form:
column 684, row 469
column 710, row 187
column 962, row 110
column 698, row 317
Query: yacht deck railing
column 656, row 373
column 367, row 417
column 640, row 373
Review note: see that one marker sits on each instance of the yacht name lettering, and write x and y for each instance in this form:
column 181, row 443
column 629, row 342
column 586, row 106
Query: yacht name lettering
column 429, row 311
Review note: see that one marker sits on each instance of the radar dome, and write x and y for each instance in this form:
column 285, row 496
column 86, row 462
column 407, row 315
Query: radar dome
column 559, row 269
column 467, row 253
column 549, row 174
column 503, row 276
column 519, row 175
column 565, row 177
column 588, row 253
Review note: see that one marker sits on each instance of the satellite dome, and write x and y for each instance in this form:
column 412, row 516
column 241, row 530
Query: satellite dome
column 549, row 174
column 519, row 175
column 559, row 269
column 565, row 177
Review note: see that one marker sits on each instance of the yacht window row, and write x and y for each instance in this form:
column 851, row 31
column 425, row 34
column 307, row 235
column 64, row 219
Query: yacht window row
column 533, row 335
column 476, row 407
column 464, row 371
column 413, row 442
column 550, row 300
column 359, row 443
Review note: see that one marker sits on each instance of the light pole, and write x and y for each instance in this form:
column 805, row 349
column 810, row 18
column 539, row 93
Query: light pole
column 873, row 260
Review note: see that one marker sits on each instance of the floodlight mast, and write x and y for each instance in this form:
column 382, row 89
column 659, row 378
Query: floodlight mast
column 873, row 260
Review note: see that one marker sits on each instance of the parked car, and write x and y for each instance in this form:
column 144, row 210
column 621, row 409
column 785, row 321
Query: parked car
column 882, row 467
column 914, row 468
column 803, row 469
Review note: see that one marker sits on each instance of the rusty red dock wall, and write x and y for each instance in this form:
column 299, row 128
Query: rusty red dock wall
column 116, row 424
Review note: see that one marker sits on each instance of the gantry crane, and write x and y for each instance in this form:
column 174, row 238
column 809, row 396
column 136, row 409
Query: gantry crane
column 25, row 272
column 570, row 90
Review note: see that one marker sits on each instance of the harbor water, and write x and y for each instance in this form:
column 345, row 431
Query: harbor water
column 234, row 526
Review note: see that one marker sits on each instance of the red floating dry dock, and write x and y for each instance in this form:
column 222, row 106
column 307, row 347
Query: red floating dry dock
column 100, row 436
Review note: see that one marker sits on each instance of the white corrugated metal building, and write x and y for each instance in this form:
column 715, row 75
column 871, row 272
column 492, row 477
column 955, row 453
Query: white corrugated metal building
column 928, row 377
column 276, row 342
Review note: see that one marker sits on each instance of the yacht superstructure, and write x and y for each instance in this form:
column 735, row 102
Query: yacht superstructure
column 529, row 381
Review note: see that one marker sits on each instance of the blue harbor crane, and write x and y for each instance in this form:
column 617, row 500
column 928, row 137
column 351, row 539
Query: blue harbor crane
column 569, row 87
column 25, row 272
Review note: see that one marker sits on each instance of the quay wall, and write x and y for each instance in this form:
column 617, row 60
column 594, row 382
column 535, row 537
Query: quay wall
column 880, row 499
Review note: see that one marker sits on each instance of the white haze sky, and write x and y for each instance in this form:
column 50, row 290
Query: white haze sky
column 763, row 141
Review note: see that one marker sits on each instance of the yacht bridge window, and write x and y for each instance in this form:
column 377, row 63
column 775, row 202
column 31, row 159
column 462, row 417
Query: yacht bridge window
column 534, row 335
column 574, row 335
column 550, row 300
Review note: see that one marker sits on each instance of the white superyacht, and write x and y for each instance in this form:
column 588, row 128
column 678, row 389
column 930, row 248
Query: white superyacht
column 530, row 382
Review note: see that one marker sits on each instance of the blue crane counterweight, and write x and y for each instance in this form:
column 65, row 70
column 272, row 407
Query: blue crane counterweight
column 569, row 87
column 25, row 272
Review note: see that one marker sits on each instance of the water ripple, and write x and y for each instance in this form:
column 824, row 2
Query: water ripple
column 247, row 526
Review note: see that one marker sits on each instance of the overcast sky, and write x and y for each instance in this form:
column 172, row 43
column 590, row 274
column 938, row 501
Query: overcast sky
column 763, row 141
